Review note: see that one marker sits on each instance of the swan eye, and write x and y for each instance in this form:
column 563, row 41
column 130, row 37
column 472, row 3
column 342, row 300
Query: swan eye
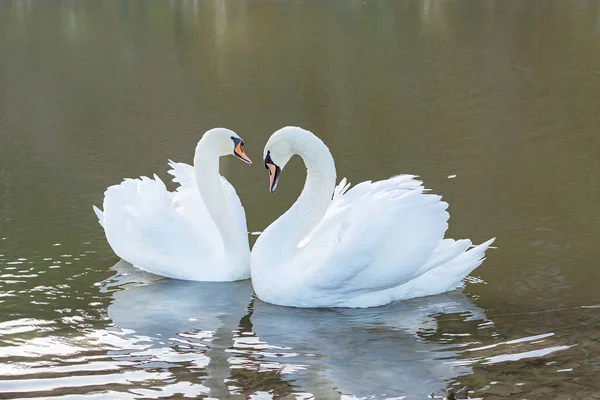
column 268, row 161
column 237, row 140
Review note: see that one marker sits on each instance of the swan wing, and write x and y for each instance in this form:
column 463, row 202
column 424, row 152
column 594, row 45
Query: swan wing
column 144, row 226
column 375, row 236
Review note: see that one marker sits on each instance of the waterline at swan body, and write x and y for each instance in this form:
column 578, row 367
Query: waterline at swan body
column 370, row 245
column 197, row 232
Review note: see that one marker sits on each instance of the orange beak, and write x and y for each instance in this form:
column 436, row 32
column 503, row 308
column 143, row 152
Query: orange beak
column 274, row 172
column 272, row 175
column 239, row 151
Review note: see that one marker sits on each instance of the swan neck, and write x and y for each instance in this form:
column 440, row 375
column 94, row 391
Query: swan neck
column 208, row 181
column 310, row 207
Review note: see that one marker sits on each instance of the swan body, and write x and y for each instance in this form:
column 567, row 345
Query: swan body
column 197, row 232
column 367, row 246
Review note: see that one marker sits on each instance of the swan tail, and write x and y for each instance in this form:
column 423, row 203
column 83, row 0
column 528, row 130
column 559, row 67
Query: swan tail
column 450, row 275
column 466, row 263
column 445, row 277
column 99, row 214
column 446, row 251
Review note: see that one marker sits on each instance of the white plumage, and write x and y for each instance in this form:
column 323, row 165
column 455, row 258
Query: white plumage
column 197, row 232
column 372, row 244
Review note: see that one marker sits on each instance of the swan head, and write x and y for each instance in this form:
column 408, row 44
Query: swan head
column 226, row 142
column 282, row 145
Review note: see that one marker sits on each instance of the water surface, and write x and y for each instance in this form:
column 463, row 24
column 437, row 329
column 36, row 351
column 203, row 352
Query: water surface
column 501, row 94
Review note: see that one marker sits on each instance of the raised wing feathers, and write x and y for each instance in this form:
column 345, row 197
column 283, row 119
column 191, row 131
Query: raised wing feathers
column 369, row 226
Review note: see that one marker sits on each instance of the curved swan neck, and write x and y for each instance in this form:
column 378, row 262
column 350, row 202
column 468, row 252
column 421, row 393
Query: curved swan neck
column 208, row 181
column 310, row 207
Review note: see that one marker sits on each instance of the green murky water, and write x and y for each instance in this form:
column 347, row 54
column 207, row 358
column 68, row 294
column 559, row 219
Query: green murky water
column 502, row 94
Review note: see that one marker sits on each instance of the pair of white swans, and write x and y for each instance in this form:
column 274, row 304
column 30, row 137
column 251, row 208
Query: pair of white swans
column 368, row 246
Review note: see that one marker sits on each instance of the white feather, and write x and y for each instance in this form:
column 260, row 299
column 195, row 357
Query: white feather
column 371, row 244
column 172, row 233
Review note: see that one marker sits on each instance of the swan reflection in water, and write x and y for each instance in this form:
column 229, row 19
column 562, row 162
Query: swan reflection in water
column 236, row 340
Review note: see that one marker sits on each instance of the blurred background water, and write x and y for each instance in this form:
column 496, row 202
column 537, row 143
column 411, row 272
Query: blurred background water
column 502, row 94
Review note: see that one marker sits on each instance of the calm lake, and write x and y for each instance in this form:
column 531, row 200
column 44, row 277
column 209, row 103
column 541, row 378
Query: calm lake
column 494, row 104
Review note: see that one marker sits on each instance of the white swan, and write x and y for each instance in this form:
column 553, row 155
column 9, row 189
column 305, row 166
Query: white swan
column 197, row 232
column 368, row 246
